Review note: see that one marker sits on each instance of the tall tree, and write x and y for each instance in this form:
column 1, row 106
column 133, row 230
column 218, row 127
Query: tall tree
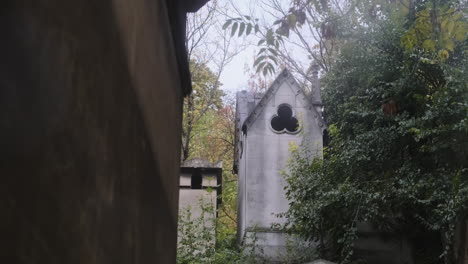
column 396, row 104
column 200, row 106
column 295, row 33
column 210, row 50
column 208, row 124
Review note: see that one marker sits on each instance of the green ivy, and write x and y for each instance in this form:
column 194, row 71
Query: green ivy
column 398, row 155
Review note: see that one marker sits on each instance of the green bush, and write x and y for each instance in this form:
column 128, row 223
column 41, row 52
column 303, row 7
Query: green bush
column 398, row 155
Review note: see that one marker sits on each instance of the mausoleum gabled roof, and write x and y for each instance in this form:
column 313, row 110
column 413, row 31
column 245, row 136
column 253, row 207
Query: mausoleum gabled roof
column 284, row 76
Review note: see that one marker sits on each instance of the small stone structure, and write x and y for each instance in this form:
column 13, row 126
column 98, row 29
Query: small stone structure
column 200, row 183
column 266, row 126
column 376, row 246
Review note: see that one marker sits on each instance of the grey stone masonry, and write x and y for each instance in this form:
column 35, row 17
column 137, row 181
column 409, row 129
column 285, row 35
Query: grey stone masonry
column 266, row 127
column 200, row 185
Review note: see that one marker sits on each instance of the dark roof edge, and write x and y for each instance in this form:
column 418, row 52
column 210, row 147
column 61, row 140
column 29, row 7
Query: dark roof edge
column 177, row 11
column 193, row 5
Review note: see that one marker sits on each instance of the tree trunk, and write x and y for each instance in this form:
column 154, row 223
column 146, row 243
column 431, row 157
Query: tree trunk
column 187, row 129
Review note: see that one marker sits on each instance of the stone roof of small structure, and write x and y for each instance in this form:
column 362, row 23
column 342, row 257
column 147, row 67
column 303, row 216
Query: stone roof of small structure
column 201, row 163
column 177, row 10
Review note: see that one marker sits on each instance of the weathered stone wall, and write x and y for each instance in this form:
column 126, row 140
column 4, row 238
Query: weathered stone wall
column 263, row 155
column 266, row 154
column 90, row 114
column 376, row 246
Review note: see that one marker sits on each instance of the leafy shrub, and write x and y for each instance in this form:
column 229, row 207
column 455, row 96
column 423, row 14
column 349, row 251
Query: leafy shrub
column 398, row 155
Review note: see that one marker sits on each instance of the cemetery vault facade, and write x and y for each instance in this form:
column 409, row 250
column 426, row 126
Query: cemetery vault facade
column 266, row 126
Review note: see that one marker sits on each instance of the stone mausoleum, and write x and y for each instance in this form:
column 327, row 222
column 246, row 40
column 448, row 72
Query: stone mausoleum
column 200, row 182
column 266, row 126
column 200, row 189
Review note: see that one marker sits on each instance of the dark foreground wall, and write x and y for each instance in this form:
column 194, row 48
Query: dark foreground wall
column 90, row 114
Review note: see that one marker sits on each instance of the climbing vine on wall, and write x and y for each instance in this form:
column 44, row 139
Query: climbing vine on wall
column 398, row 122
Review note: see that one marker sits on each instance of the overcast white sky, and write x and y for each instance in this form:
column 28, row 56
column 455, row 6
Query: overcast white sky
column 234, row 77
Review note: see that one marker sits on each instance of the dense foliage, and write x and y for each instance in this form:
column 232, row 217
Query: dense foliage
column 397, row 108
column 200, row 108
column 201, row 241
column 208, row 133
column 198, row 243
